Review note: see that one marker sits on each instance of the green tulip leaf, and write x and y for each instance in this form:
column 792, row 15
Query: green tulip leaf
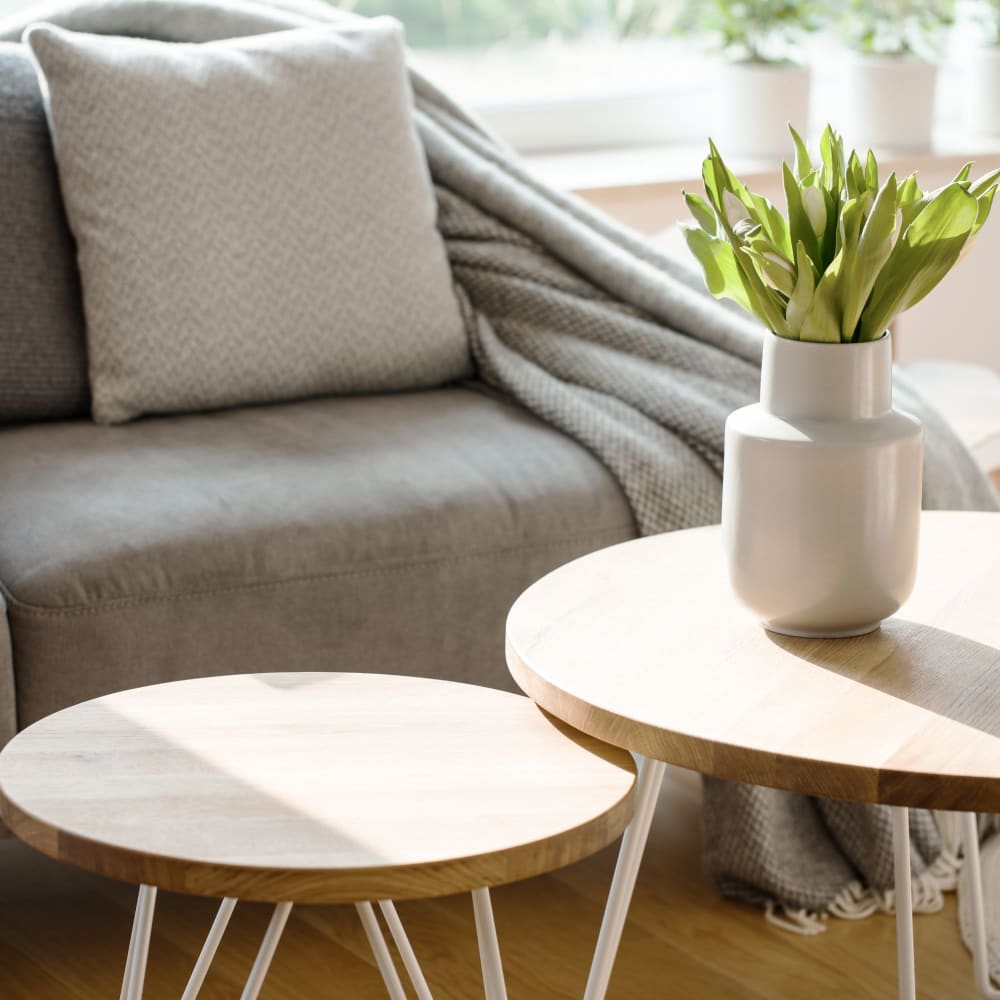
column 985, row 204
column 984, row 183
column 702, row 212
column 926, row 251
column 800, row 228
column 803, row 162
column 871, row 172
column 864, row 261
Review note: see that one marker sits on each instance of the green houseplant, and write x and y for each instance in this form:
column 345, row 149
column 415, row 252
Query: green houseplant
column 891, row 75
column 852, row 252
column 762, row 84
column 755, row 31
column 821, row 489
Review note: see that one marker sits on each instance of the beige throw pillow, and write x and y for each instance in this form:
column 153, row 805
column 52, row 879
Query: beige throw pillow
column 254, row 217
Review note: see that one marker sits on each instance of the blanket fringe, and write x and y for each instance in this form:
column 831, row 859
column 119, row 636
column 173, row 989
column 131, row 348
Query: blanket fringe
column 928, row 896
column 794, row 921
column 855, row 902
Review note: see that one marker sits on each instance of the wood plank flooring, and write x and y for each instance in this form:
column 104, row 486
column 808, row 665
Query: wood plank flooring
column 63, row 934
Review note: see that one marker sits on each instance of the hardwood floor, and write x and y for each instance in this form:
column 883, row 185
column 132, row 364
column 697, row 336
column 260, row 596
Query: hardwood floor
column 63, row 934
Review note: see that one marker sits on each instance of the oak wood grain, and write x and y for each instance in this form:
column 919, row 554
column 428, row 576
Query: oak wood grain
column 63, row 934
column 644, row 646
column 313, row 787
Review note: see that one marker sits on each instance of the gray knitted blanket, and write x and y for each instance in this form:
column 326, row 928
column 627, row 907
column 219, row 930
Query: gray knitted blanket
column 599, row 334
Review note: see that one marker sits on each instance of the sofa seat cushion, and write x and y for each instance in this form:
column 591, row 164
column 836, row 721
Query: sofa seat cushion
column 385, row 533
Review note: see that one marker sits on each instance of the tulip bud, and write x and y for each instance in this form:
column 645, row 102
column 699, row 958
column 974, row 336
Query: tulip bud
column 815, row 206
column 735, row 210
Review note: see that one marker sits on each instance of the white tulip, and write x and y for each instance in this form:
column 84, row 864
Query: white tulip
column 815, row 205
column 735, row 210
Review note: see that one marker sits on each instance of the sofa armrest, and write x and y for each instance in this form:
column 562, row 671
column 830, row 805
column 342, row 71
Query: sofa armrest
column 968, row 397
column 8, row 703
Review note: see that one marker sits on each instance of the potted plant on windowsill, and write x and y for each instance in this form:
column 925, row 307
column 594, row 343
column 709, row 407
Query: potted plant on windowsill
column 891, row 75
column 763, row 84
column 983, row 75
column 822, row 480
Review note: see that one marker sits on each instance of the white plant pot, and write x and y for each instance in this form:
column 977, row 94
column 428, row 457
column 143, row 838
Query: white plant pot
column 821, row 491
column 756, row 101
column 982, row 91
column 889, row 102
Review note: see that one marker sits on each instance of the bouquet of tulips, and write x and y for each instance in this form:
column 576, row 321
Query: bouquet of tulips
column 851, row 254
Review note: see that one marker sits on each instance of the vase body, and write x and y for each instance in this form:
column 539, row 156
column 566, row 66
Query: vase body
column 822, row 491
column 756, row 101
column 982, row 91
column 889, row 102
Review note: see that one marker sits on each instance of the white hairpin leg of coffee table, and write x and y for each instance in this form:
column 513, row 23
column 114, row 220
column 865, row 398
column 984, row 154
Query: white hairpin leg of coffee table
column 405, row 950
column 266, row 951
column 209, row 948
column 904, row 903
column 980, row 951
column 381, row 951
column 629, row 858
column 489, row 946
column 138, row 947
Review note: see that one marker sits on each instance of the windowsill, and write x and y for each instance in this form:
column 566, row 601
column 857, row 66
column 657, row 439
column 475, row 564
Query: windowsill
column 630, row 167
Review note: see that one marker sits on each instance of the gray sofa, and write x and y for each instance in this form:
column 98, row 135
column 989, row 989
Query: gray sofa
column 377, row 533
column 384, row 533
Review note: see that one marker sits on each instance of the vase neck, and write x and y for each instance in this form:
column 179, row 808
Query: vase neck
column 805, row 380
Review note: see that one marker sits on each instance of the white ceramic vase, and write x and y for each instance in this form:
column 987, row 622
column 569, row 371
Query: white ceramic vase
column 889, row 102
column 756, row 101
column 822, row 490
column 982, row 91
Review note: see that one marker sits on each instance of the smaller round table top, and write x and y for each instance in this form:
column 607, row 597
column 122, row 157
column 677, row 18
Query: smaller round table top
column 643, row 645
column 313, row 787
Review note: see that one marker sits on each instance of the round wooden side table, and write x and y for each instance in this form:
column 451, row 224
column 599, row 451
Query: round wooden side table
column 643, row 645
column 314, row 788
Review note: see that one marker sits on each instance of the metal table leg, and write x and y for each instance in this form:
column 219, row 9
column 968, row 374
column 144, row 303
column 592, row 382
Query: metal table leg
column 405, row 949
column 489, row 947
column 904, row 903
column 629, row 857
column 209, row 948
column 138, row 947
column 980, row 953
column 266, row 952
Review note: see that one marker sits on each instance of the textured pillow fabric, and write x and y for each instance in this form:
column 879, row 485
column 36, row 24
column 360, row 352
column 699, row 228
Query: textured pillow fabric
column 43, row 365
column 255, row 217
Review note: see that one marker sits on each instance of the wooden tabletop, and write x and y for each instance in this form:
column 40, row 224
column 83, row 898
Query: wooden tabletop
column 313, row 787
column 643, row 645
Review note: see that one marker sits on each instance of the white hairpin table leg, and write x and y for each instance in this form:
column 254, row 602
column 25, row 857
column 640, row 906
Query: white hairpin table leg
column 266, row 951
column 138, row 946
column 904, row 903
column 382, row 957
column 980, row 951
column 209, row 948
column 405, row 949
column 629, row 858
column 489, row 947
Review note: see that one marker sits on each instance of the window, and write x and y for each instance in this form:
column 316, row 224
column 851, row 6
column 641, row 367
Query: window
column 557, row 74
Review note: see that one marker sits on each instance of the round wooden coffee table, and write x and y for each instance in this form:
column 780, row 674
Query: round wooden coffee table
column 644, row 646
column 314, row 788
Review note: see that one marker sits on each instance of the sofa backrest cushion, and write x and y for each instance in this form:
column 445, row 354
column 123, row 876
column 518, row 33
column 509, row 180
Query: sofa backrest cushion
column 43, row 369
column 255, row 217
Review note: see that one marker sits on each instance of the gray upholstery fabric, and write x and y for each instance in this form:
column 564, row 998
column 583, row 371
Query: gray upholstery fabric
column 8, row 713
column 383, row 533
column 254, row 217
column 43, row 367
